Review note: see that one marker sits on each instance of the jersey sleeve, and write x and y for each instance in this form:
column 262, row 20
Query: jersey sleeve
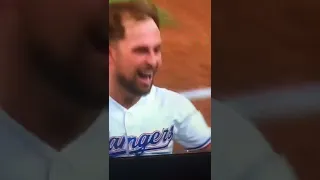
column 192, row 131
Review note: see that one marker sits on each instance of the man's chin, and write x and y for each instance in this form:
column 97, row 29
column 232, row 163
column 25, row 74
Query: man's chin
column 144, row 91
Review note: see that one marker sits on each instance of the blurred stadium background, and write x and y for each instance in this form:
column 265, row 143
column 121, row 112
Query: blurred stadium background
column 187, row 52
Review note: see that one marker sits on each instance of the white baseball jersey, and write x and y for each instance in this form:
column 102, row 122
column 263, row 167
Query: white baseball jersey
column 153, row 123
column 23, row 156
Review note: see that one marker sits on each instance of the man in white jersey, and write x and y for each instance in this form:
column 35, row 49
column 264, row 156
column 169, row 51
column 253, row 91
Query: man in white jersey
column 145, row 119
column 53, row 74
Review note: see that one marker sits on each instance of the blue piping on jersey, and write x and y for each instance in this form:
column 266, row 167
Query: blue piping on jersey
column 207, row 142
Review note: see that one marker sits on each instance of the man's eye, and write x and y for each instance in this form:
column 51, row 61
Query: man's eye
column 157, row 50
column 141, row 50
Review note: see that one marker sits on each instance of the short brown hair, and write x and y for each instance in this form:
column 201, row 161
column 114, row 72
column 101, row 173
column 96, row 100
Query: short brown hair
column 137, row 9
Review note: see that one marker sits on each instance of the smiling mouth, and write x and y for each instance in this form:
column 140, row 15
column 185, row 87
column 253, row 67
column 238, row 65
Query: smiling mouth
column 145, row 75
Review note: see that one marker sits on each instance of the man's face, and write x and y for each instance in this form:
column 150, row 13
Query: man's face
column 66, row 44
column 135, row 59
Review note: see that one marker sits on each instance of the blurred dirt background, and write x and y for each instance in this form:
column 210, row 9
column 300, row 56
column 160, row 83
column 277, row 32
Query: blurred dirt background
column 187, row 50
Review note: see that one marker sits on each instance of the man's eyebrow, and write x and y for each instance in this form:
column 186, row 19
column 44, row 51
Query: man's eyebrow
column 147, row 47
column 158, row 45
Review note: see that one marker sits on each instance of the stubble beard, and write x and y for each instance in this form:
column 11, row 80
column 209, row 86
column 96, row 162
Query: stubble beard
column 132, row 87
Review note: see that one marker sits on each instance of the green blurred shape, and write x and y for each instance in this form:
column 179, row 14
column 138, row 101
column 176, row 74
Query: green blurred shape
column 164, row 16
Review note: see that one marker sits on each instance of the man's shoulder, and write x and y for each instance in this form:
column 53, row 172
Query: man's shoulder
column 171, row 100
column 164, row 93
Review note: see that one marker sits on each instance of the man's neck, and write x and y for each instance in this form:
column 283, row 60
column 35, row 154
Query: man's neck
column 121, row 96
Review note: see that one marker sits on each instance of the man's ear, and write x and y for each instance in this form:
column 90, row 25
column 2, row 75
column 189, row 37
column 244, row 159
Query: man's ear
column 112, row 51
column 112, row 54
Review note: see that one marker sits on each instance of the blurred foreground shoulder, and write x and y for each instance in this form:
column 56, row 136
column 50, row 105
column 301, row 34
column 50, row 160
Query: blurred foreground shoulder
column 240, row 151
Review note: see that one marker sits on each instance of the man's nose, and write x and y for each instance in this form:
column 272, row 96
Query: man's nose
column 153, row 60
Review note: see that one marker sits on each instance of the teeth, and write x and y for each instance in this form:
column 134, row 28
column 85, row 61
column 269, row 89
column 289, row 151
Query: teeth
column 146, row 74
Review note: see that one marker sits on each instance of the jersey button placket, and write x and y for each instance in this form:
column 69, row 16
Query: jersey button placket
column 128, row 121
column 133, row 125
column 125, row 117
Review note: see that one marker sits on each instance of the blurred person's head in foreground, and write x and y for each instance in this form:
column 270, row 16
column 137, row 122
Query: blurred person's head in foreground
column 53, row 65
column 56, row 48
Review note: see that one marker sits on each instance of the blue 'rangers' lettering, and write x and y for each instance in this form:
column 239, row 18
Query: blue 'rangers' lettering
column 146, row 142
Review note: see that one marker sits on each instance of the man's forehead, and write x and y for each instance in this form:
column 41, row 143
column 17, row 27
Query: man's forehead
column 141, row 28
column 145, row 31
